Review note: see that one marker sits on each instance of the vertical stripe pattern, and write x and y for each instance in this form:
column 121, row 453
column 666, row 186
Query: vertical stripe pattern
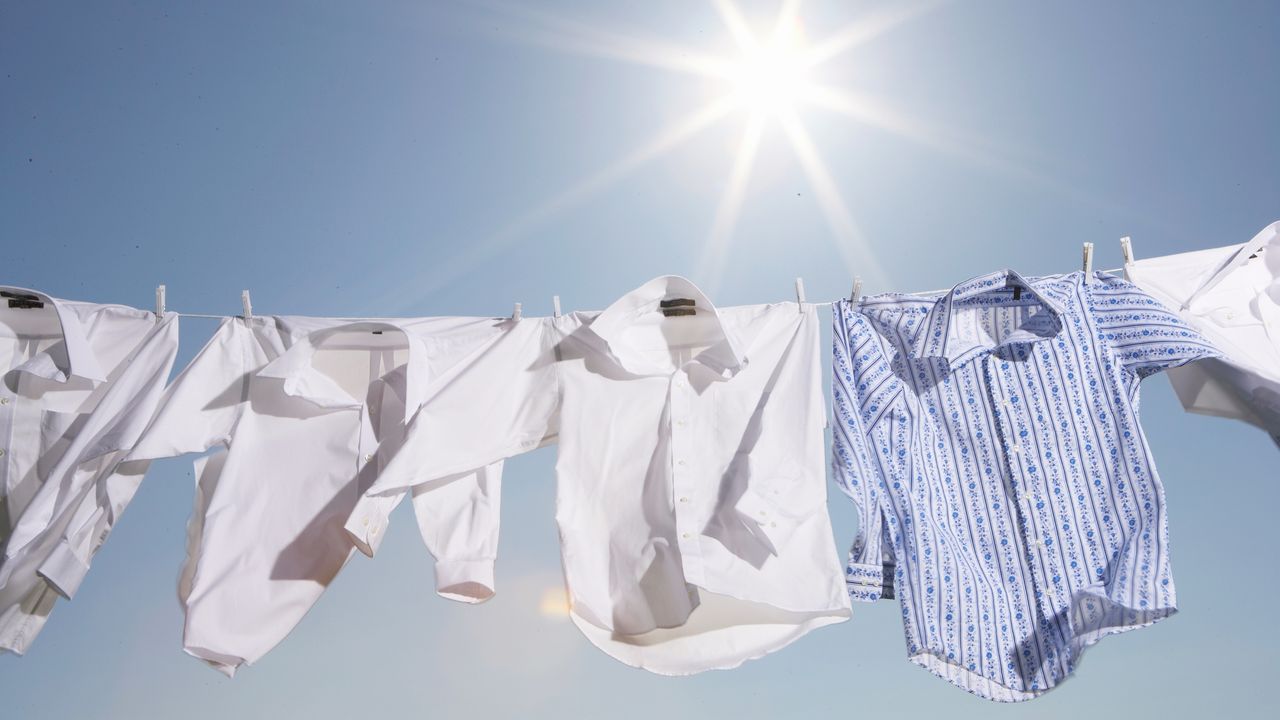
column 1007, row 497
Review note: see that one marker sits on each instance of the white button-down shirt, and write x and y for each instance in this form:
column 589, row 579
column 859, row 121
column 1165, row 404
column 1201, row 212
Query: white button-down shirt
column 80, row 382
column 1232, row 296
column 307, row 410
column 692, row 484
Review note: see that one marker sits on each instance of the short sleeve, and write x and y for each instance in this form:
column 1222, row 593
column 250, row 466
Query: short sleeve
column 501, row 400
column 200, row 408
column 1145, row 335
column 863, row 387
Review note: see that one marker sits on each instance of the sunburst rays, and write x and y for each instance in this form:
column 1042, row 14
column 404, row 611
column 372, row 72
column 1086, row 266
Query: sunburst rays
column 769, row 80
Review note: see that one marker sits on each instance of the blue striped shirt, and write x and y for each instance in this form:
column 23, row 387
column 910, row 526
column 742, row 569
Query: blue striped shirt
column 1007, row 496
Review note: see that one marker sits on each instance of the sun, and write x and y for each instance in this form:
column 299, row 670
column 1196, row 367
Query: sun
column 771, row 79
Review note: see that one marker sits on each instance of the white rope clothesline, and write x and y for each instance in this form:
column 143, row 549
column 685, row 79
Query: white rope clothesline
column 160, row 300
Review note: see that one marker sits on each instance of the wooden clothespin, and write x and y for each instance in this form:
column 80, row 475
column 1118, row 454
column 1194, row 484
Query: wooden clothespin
column 800, row 293
column 555, row 305
column 515, row 314
column 1088, row 261
column 247, row 304
column 856, row 293
column 160, row 298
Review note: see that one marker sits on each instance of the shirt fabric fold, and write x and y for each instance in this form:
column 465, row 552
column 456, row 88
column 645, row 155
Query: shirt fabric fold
column 80, row 382
column 1007, row 496
column 691, row 494
column 1231, row 295
column 303, row 413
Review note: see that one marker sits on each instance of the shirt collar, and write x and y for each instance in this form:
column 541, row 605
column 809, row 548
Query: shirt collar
column 938, row 335
column 302, row 379
column 1267, row 239
column 724, row 356
column 73, row 357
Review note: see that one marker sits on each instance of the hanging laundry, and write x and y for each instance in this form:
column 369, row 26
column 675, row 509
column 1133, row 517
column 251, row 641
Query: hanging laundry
column 305, row 411
column 80, row 382
column 1232, row 296
column 691, row 494
column 1007, row 496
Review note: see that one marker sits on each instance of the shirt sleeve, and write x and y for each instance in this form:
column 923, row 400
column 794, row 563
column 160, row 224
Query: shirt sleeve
column 863, row 386
column 201, row 407
column 99, row 485
column 499, row 401
column 458, row 520
column 1145, row 335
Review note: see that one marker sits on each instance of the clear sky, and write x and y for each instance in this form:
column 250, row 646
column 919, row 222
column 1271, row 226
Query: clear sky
column 400, row 158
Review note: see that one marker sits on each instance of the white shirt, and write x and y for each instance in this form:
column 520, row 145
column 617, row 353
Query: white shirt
column 307, row 410
column 691, row 494
column 1232, row 296
column 80, row 382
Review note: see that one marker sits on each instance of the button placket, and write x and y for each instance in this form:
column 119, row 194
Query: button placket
column 683, row 470
column 366, row 453
column 1019, row 483
column 7, row 408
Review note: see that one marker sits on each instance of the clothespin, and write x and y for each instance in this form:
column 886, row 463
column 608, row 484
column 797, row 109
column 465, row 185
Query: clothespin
column 515, row 314
column 555, row 305
column 800, row 293
column 247, row 304
column 159, row 303
column 856, row 293
column 1126, row 249
column 1088, row 261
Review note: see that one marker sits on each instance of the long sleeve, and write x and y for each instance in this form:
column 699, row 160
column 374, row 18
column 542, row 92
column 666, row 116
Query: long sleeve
column 863, row 385
column 1145, row 335
column 499, row 401
column 458, row 518
column 90, row 487
column 200, row 408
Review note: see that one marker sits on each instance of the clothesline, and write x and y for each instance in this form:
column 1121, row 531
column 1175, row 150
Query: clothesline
column 827, row 303
column 1112, row 271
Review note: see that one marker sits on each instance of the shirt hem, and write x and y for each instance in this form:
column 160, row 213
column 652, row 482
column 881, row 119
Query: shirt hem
column 988, row 689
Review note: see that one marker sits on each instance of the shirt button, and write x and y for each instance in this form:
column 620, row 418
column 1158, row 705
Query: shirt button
column 686, row 536
column 368, row 457
column 4, row 401
column 1, row 452
column 684, row 499
column 679, row 462
column 680, row 423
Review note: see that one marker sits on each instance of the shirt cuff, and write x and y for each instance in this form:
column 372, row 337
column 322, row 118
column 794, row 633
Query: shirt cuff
column 869, row 583
column 468, row 581
column 773, row 524
column 63, row 570
column 368, row 523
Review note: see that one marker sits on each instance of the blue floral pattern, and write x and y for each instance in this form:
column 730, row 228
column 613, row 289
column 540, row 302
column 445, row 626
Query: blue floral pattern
column 1007, row 497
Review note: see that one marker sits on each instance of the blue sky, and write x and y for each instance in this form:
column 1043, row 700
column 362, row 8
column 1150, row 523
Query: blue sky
column 401, row 158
